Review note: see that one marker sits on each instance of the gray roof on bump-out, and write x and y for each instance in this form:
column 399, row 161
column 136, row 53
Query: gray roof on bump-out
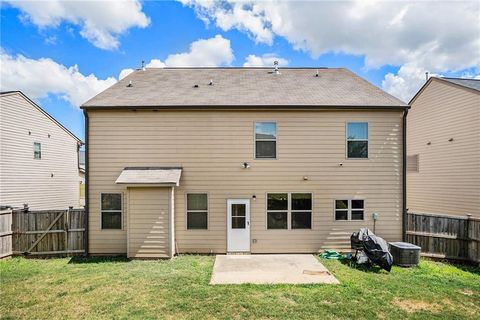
column 469, row 83
column 243, row 87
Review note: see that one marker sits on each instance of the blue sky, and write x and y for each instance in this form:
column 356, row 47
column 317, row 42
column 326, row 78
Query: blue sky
column 392, row 54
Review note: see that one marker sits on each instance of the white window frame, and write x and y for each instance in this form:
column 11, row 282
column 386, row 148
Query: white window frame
column 289, row 211
column 347, row 140
column 121, row 211
column 349, row 209
column 187, row 211
column 255, row 139
column 34, row 151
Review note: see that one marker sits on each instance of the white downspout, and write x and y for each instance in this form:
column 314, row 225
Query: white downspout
column 172, row 222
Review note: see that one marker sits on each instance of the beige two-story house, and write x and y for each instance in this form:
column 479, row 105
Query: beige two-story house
column 38, row 157
column 258, row 160
column 444, row 148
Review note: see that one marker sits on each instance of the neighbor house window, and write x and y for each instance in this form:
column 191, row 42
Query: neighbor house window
column 37, row 150
column 412, row 163
column 197, row 211
column 351, row 209
column 289, row 211
column 357, row 140
column 111, row 210
column 265, row 140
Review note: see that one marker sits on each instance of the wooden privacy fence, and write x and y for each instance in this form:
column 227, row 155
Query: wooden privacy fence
column 444, row 236
column 42, row 232
column 5, row 233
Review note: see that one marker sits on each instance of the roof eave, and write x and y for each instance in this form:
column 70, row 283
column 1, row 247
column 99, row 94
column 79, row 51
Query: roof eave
column 441, row 80
column 79, row 141
column 232, row 107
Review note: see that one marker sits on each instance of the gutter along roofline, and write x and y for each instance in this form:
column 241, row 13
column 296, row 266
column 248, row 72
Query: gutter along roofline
column 249, row 107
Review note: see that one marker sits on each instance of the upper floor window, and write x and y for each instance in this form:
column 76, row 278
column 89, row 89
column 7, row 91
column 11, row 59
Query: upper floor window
column 37, row 150
column 111, row 209
column 197, row 211
column 265, row 140
column 357, row 140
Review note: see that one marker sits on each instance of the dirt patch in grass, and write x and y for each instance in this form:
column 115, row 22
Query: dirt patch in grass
column 467, row 292
column 412, row 306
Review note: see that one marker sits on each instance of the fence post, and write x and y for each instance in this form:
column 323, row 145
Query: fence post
column 66, row 228
column 471, row 254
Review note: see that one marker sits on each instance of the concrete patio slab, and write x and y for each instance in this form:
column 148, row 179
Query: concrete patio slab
column 270, row 269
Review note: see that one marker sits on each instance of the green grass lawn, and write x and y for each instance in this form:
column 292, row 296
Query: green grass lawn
column 177, row 289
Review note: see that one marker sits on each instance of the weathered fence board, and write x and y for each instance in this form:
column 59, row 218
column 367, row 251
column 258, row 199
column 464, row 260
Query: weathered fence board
column 5, row 233
column 444, row 236
column 48, row 232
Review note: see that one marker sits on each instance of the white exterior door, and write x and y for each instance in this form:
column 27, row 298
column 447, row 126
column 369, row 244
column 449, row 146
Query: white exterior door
column 238, row 225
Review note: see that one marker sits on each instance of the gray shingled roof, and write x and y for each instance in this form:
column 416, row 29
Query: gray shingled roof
column 258, row 87
column 469, row 83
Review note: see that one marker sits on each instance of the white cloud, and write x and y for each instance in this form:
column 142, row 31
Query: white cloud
column 211, row 52
column 245, row 16
column 155, row 63
column 101, row 22
column 414, row 35
column 408, row 80
column 38, row 78
column 440, row 35
column 124, row 73
column 265, row 60
column 204, row 53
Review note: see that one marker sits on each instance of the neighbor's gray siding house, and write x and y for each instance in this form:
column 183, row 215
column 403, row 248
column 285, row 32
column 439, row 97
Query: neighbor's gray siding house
column 241, row 160
column 38, row 157
column 444, row 148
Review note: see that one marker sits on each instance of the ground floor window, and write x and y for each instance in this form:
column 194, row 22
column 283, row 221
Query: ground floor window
column 111, row 210
column 289, row 210
column 197, row 211
column 349, row 209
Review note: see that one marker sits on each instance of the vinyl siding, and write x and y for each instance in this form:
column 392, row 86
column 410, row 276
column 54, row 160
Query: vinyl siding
column 148, row 222
column 211, row 146
column 24, row 179
column 448, row 180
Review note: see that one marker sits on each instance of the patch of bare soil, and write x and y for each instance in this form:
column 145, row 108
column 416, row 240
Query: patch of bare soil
column 412, row 306
column 467, row 292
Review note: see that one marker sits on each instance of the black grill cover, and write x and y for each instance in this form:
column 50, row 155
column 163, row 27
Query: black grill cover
column 374, row 247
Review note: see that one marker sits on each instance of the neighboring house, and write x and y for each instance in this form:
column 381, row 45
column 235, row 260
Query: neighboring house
column 81, row 174
column 444, row 148
column 241, row 160
column 38, row 157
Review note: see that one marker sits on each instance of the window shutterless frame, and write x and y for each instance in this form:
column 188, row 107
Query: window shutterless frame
column 349, row 209
column 121, row 211
column 187, row 211
column 255, row 139
column 289, row 211
column 37, row 150
column 347, row 140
